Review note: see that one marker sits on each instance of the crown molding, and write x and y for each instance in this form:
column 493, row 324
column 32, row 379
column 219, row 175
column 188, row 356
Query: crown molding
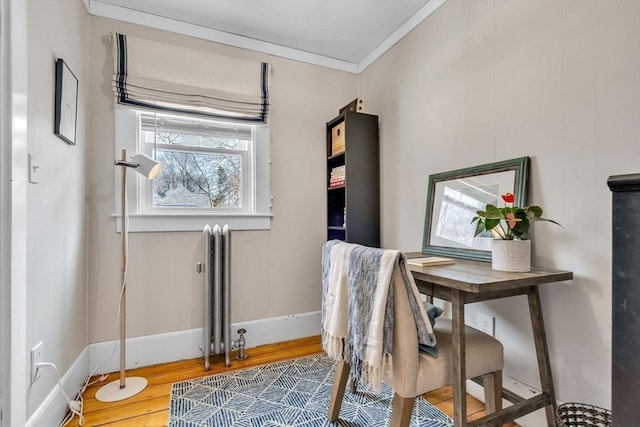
column 119, row 13
column 398, row 34
column 105, row 10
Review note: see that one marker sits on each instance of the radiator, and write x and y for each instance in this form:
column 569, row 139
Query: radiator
column 216, row 269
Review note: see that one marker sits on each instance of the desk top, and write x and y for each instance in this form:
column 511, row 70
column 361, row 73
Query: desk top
column 478, row 276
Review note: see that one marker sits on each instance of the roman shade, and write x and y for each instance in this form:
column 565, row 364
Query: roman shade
column 159, row 76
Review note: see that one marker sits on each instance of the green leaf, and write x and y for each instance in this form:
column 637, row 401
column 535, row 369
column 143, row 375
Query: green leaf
column 490, row 224
column 550, row 220
column 522, row 227
column 494, row 213
column 535, row 210
column 479, row 228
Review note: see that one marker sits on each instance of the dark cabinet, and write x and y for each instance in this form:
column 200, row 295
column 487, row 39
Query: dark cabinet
column 353, row 179
column 625, row 367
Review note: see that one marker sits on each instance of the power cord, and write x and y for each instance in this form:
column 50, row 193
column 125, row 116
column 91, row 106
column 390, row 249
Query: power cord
column 103, row 377
column 75, row 406
column 77, row 409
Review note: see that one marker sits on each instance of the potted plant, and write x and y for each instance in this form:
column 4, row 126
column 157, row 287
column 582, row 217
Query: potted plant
column 511, row 247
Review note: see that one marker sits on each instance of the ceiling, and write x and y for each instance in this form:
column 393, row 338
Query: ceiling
column 345, row 33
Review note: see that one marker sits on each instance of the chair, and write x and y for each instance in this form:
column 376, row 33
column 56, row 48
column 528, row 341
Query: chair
column 415, row 373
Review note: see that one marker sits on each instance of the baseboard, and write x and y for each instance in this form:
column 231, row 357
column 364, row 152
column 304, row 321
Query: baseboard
column 279, row 329
column 163, row 348
column 54, row 406
column 534, row 419
column 170, row 347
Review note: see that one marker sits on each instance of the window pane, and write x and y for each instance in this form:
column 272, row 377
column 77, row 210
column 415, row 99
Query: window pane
column 194, row 132
column 191, row 140
column 198, row 180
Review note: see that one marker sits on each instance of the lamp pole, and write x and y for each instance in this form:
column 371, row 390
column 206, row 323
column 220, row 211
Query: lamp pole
column 124, row 387
column 123, row 269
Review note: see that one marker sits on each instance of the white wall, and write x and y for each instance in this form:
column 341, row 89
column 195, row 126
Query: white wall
column 484, row 81
column 56, row 218
column 276, row 272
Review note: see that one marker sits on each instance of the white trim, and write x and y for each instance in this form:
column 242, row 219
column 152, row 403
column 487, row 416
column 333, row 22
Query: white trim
column 14, row 253
column 54, row 406
column 149, row 222
column 163, row 348
column 5, row 218
column 537, row 418
column 279, row 329
column 141, row 18
column 127, row 136
column 398, row 34
column 180, row 345
column 148, row 20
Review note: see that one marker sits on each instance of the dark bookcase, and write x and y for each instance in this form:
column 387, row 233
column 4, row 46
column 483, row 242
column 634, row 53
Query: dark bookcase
column 353, row 179
column 625, row 337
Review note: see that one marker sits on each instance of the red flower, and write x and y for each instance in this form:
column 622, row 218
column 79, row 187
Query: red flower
column 511, row 218
column 508, row 197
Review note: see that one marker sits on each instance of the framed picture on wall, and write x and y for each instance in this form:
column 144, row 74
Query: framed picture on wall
column 66, row 106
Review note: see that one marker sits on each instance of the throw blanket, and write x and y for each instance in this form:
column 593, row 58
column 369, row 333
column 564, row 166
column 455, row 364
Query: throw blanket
column 358, row 308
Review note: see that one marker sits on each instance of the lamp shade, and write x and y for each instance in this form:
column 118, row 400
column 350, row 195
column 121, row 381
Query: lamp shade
column 146, row 165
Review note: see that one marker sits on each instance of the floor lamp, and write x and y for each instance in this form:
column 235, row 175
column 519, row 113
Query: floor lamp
column 124, row 387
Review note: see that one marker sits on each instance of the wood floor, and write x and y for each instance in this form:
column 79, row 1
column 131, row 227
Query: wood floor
column 150, row 408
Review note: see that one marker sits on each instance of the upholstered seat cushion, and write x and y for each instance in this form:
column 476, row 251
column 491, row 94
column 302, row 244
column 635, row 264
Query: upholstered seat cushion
column 484, row 355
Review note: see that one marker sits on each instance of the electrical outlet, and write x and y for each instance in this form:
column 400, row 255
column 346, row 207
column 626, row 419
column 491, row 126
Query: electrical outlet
column 486, row 324
column 37, row 356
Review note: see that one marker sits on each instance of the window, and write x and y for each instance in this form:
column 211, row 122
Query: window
column 213, row 172
column 206, row 164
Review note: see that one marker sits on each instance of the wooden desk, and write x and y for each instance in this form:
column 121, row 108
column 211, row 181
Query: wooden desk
column 473, row 281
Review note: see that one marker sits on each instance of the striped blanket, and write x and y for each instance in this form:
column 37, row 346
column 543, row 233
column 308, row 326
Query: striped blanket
column 357, row 308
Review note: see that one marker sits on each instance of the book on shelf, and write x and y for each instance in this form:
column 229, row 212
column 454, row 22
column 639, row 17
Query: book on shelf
column 337, row 176
column 430, row 261
column 339, row 171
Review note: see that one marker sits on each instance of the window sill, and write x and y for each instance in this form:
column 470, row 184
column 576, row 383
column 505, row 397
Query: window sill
column 151, row 222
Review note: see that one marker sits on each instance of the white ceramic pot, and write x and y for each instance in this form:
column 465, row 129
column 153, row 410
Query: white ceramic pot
column 511, row 255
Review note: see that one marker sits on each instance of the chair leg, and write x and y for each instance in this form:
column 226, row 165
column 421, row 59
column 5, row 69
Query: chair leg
column 402, row 410
column 492, row 391
column 354, row 386
column 339, row 384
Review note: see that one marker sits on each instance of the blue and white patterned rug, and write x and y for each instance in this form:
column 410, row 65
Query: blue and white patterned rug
column 290, row 393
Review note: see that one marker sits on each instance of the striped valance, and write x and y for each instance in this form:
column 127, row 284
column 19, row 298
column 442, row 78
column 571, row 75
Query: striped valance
column 159, row 76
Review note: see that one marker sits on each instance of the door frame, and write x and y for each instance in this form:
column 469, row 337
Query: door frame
column 13, row 213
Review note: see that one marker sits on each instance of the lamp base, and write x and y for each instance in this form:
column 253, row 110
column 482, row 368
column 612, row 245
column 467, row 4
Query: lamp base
column 112, row 392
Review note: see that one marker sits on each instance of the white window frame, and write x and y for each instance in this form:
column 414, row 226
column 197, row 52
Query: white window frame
column 256, row 216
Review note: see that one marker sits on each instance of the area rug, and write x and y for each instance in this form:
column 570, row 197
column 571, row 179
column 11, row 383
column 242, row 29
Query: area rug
column 289, row 393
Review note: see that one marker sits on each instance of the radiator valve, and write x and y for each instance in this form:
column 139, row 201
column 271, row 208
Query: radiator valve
column 240, row 344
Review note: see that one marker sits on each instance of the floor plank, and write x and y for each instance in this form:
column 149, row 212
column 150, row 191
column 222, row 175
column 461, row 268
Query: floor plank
column 150, row 408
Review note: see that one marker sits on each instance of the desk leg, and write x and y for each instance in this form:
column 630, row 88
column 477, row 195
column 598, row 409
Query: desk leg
column 542, row 352
column 459, row 362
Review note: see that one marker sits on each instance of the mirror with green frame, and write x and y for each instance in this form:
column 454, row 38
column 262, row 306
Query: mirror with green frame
column 454, row 197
